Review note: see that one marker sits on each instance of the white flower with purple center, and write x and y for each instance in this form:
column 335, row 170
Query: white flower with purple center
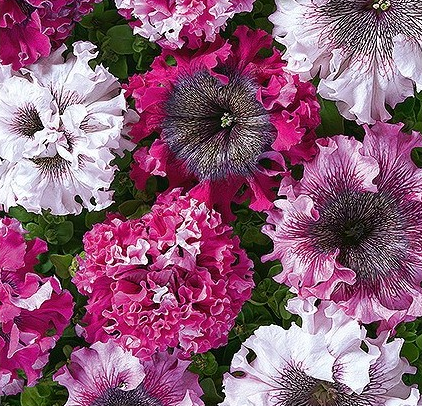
column 60, row 122
column 319, row 364
column 350, row 229
column 367, row 52
column 108, row 375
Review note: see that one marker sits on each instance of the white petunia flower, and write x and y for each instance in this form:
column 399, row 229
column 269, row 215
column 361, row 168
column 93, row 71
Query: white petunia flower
column 368, row 53
column 60, row 122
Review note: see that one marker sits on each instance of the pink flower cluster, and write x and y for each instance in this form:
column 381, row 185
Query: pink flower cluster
column 176, row 23
column 30, row 29
column 174, row 277
column 220, row 110
column 34, row 311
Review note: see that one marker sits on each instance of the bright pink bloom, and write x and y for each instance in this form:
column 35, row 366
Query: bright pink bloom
column 106, row 374
column 176, row 23
column 350, row 229
column 34, row 311
column 30, row 29
column 220, row 111
column 174, row 277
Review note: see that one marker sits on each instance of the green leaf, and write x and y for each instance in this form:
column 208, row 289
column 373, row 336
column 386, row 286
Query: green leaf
column 210, row 392
column 204, row 364
column 119, row 67
column 332, row 122
column 410, row 351
column 19, row 213
column 62, row 264
column 63, row 232
column 121, row 39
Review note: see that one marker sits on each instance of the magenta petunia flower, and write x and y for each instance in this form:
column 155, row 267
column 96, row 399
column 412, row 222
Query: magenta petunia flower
column 175, row 277
column 320, row 363
column 366, row 52
column 34, row 311
column 175, row 23
column 350, row 229
column 220, row 111
column 60, row 124
column 106, row 374
column 30, row 29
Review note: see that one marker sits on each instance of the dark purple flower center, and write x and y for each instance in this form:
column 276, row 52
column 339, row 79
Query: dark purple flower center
column 26, row 121
column 367, row 27
column 218, row 130
column 295, row 388
column 120, row 397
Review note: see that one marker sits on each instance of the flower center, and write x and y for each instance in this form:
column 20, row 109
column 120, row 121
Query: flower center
column 119, row 397
column 26, row 121
column 324, row 394
column 217, row 130
column 381, row 5
column 367, row 229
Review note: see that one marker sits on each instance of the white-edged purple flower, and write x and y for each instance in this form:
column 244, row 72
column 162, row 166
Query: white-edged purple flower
column 351, row 229
column 319, row 364
column 108, row 375
column 60, row 122
column 368, row 53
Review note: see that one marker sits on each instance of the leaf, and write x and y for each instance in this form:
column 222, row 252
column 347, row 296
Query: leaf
column 62, row 264
column 19, row 213
column 210, row 397
column 64, row 232
column 121, row 39
column 119, row 67
column 410, row 351
column 332, row 122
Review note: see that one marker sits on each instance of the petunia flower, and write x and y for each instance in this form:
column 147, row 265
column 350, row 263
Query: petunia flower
column 366, row 52
column 106, row 374
column 60, row 122
column 221, row 111
column 175, row 277
column 34, row 311
column 321, row 363
column 350, row 229
column 173, row 24
column 30, row 29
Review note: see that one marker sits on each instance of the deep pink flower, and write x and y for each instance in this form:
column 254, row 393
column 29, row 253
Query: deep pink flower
column 174, row 277
column 106, row 374
column 350, row 230
column 176, row 23
column 34, row 311
column 220, row 111
column 30, row 29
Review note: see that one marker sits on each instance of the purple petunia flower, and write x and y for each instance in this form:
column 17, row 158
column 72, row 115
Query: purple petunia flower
column 350, row 229
column 106, row 374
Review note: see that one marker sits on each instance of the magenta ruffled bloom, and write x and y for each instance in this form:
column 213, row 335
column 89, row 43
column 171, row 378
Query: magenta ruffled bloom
column 351, row 229
column 30, row 29
column 176, row 23
column 106, row 374
column 220, row 111
column 175, row 277
column 34, row 311
column 328, row 361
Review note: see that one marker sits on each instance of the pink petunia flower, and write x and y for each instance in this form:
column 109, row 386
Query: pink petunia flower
column 175, row 23
column 175, row 277
column 30, row 29
column 34, row 311
column 349, row 230
column 366, row 52
column 320, row 363
column 220, row 112
column 60, row 124
column 106, row 374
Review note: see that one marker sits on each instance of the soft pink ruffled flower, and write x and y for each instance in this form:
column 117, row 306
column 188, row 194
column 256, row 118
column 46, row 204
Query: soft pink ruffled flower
column 220, row 111
column 106, row 374
column 350, row 230
column 368, row 53
column 60, row 124
column 34, row 311
column 175, row 277
column 321, row 363
column 30, row 29
column 174, row 23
